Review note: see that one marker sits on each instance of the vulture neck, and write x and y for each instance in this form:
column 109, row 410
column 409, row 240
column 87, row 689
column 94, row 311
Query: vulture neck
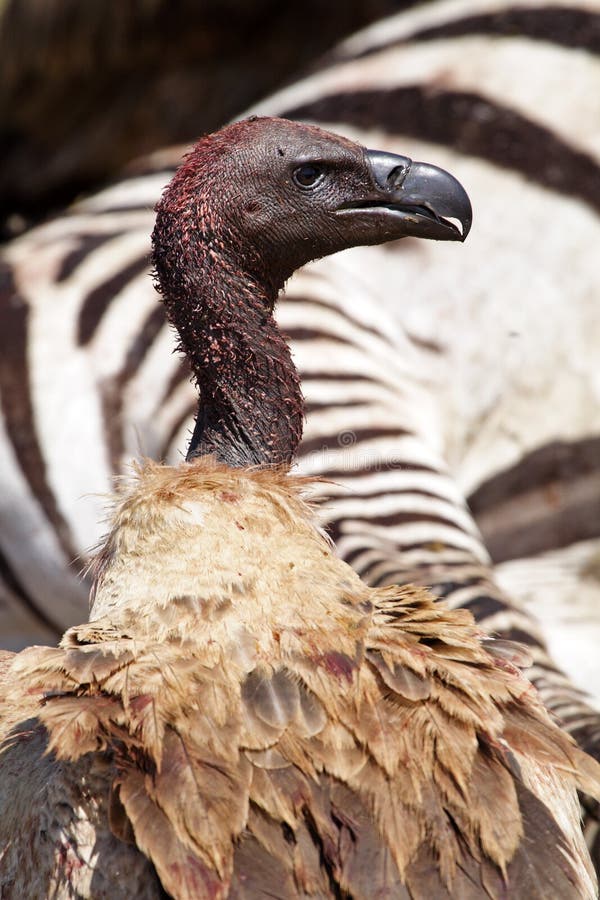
column 251, row 407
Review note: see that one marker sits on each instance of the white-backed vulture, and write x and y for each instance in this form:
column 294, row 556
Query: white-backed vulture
column 243, row 716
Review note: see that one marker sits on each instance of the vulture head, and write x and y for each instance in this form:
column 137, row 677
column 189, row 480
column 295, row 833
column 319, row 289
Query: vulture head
column 249, row 205
column 281, row 193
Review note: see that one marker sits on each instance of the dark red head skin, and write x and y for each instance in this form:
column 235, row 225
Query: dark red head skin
column 249, row 205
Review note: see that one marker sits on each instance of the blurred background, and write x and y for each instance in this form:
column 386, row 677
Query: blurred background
column 86, row 87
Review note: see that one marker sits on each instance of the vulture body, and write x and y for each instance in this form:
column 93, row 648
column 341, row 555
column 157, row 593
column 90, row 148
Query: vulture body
column 264, row 724
column 243, row 716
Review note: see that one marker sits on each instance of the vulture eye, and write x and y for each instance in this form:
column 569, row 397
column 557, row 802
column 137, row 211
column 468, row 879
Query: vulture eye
column 308, row 175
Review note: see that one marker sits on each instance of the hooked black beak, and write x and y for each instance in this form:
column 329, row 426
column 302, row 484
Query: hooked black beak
column 416, row 199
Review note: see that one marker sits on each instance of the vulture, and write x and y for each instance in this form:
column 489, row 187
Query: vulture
column 242, row 716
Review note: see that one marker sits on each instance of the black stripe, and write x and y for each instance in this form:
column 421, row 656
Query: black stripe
column 484, row 606
column 182, row 373
column 524, row 637
column 352, row 555
column 346, row 440
column 446, row 588
column 17, row 408
column 126, row 208
column 87, row 244
column 378, row 465
column 397, row 549
column 325, row 375
column 8, row 576
column 550, row 530
column 97, row 301
column 336, row 311
column 188, row 413
column 400, row 548
column 316, row 405
column 396, row 492
column 423, row 343
column 302, row 333
column 139, row 171
column 312, row 334
column 587, row 735
column 325, row 60
column 338, row 527
column 425, row 575
column 142, row 342
column 409, row 518
column 433, row 547
column 548, row 485
column 113, row 389
column 558, row 461
column 392, row 571
column 569, row 718
column 472, row 125
column 144, row 167
column 562, row 25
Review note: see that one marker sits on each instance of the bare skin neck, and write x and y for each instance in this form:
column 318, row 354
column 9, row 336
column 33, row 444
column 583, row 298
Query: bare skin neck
column 251, row 410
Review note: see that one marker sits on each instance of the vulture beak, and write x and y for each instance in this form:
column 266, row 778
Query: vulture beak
column 415, row 198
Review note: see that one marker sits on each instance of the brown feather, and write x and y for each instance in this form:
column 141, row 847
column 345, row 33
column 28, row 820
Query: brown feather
column 180, row 871
column 292, row 732
column 261, row 875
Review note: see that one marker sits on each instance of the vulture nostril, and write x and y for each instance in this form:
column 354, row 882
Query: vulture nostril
column 397, row 176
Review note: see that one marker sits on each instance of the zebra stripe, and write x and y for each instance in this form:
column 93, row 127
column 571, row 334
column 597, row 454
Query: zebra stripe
column 570, row 23
column 560, row 25
column 559, row 482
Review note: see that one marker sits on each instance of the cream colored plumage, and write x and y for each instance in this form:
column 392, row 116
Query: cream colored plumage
column 242, row 716
column 254, row 680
